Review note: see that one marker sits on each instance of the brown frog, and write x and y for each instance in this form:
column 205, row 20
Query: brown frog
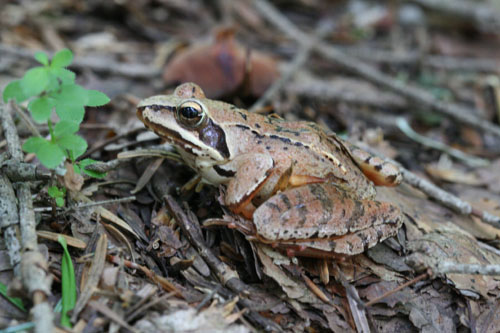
column 305, row 191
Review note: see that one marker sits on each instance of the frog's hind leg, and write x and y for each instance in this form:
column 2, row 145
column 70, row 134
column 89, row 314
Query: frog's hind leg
column 350, row 244
column 362, row 240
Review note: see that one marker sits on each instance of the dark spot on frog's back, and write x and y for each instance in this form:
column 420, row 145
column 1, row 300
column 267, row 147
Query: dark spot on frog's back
column 273, row 206
column 243, row 126
column 285, row 200
column 244, row 116
column 257, row 125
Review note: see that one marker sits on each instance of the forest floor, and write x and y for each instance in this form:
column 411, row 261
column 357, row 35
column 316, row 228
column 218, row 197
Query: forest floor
column 413, row 82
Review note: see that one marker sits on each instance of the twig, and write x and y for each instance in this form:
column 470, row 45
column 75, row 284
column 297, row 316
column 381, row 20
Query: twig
column 98, row 64
column 27, row 120
column 447, row 199
column 298, row 61
column 414, row 94
column 20, row 171
column 395, row 290
column 87, row 205
column 460, row 155
column 484, row 16
column 103, row 167
column 441, row 62
column 33, row 267
column 104, row 143
column 112, row 315
column 447, row 267
column 345, row 90
column 9, row 218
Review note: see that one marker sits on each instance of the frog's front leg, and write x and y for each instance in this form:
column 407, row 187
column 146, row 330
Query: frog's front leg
column 251, row 171
column 328, row 216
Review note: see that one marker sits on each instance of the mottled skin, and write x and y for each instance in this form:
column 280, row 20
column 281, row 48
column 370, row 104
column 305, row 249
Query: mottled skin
column 302, row 188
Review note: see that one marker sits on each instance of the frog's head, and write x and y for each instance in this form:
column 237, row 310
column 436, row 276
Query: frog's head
column 184, row 120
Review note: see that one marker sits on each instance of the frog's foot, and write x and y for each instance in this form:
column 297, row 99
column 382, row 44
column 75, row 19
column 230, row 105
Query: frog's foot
column 380, row 172
column 325, row 218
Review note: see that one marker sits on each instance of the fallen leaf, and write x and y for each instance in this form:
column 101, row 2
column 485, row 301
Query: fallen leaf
column 221, row 68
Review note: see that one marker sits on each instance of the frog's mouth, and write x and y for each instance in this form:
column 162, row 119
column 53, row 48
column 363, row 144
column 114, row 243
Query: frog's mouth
column 170, row 136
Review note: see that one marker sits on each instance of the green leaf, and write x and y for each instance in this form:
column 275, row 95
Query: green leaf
column 70, row 102
column 70, row 112
column 14, row 300
column 14, row 90
column 68, row 283
column 59, row 202
column 49, row 154
column 35, row 81
column 96, row 98
column 86, row 162
column 72, row 93
column 41, row 108
column 55, row 192
column 33, row 144
column 65, row 127
column 42, row 58
column 64, row 75
column 62, row 58
column 75, row 143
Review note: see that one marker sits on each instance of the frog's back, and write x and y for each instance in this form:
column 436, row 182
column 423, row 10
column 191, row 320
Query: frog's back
column 305, row 144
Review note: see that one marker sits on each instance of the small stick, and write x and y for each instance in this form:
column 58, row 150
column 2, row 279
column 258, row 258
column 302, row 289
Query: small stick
column 448, row 267
column 485, row 17
column 104, row 143
column 87, row 205
column 395, row 290
column 488, row 65
column 458, row 154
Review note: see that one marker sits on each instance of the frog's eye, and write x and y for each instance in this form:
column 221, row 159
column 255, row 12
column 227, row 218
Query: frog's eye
column 190, row 113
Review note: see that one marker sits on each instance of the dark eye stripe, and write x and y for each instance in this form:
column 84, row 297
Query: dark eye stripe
column 157, row 107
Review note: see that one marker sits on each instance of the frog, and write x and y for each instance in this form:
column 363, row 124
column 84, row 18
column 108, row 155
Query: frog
column 304, row 190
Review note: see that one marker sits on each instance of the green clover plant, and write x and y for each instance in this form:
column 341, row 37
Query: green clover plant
column 51, row 87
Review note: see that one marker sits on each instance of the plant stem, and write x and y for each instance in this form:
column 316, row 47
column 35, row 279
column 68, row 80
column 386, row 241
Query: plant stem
column 51, row 131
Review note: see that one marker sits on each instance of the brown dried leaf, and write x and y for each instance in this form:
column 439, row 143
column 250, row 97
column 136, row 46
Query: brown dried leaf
column 295, row 288
column 190, row 320
column 452, row 175
column 481, row 199
column 489, row 319
column 53, row 236
column 220, row 68
column 72, row 180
